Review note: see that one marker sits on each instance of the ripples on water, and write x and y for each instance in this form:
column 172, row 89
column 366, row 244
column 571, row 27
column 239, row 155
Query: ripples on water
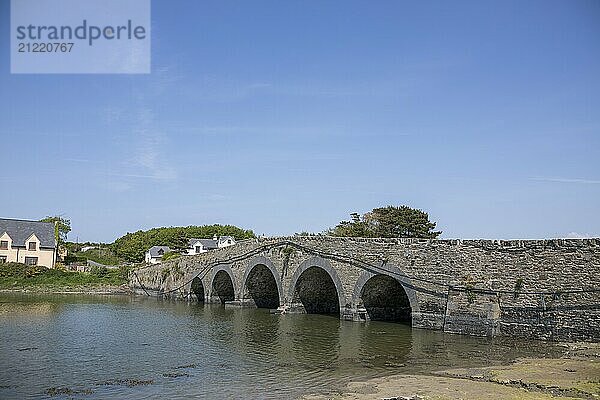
column 95, row 347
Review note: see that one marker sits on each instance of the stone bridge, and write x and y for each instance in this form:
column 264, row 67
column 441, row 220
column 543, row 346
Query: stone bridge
column 545, row 289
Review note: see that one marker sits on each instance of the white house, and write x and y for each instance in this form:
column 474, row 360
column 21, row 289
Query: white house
column 155, row 253
column 225, row 241
column 197, row 246
column 27, row 242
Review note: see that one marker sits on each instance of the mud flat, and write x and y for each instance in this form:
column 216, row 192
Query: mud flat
column 576, row 375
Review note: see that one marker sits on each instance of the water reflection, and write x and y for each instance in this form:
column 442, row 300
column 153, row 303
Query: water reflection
column 385, row 345
column 197, row 350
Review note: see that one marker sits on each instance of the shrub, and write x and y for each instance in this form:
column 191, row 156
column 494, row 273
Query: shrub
column 18, row 270
column 170, row 255
column 99, row 271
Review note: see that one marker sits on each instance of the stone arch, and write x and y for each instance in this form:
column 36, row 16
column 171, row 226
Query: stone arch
column 201, row 273
column 221, row 289
column 324, row 265
column 389, row 275
column 249, row 287
column 197, row 289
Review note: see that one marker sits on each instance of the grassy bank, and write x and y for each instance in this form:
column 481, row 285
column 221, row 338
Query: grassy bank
column 103, row 256
column 14, row 276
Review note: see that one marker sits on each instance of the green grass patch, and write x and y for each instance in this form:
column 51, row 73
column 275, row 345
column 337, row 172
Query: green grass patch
column 14, row 275
column 103, row 256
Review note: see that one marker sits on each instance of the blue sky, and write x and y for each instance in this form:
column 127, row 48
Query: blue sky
column 284, row 117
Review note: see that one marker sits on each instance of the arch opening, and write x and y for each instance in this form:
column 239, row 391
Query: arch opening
column 316, row 291
column 197, row 289
column 222, row 287
column 262, row 287
column 385, row 299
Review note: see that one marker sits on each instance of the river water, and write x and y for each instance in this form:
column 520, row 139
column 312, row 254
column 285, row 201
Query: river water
column 99, row 347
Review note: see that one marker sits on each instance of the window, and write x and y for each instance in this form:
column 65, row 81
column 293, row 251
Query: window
column 32, row 246
column 198, row 249
column 2, row 259
column 31, row 260
column 4, row 245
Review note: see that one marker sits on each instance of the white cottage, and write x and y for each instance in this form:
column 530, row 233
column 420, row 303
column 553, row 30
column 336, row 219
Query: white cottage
column 155, row 253
column 197, row 246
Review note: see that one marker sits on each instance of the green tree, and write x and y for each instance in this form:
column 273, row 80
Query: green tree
column 390, row 221
column 356, row 227
column 402, row 222
column 62, row 227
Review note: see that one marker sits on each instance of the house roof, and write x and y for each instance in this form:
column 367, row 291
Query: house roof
column 20, row 230
column 154, row 251
column 207, row 243
column 225, row 238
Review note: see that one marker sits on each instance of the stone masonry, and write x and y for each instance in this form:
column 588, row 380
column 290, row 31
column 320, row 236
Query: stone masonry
column 545, row 289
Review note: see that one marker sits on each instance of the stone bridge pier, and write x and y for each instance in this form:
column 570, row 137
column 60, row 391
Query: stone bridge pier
column 484, row 288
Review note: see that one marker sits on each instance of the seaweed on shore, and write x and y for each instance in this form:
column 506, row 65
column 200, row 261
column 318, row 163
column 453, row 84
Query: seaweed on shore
column 57, row 391
column 126, row 382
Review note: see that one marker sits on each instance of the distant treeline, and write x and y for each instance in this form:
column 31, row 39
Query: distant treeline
column 132, row 246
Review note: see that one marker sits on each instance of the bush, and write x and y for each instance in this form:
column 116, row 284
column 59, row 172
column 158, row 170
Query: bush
column 99, row 271
column 101, row 256
column 170, row 255
column 124, row 272
column 18, row 270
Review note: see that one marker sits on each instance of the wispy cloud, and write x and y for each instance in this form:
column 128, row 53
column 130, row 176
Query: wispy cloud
column 112, row 114
column 137, row 176
column 118, row 186
column 165, row 78
column 209, row 88
column 577, row 235
column 319, row 131
column 140, row 134
column 215, row 90
column 79, row 160
column 149, row 154
column 567, row 180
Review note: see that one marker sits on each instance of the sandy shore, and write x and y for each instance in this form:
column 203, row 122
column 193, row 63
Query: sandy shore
column 576, row 375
